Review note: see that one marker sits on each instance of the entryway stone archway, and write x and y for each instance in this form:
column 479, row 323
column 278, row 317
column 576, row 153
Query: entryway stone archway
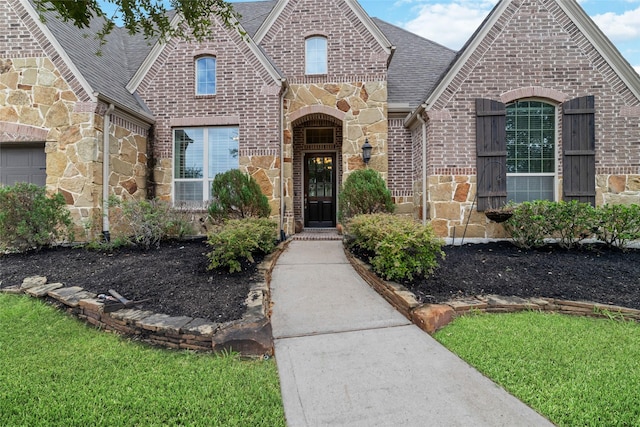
column 317, row 170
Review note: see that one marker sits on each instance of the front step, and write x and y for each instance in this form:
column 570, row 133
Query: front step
column 318, row 234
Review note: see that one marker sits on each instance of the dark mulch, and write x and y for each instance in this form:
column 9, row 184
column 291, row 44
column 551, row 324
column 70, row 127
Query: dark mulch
column 596, row 275
column 174, row 278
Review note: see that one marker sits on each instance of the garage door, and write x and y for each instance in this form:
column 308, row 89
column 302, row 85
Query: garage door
column 23, row 163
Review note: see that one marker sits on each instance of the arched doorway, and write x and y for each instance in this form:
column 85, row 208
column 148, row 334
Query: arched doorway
column 317, row 170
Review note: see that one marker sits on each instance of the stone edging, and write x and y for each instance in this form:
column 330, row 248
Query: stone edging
column 432, row 317
column 250, row 336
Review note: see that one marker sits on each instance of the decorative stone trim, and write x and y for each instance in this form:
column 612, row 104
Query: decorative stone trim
column 432, row 317
column 533, row 92
column 250, row 336
column 14, row 132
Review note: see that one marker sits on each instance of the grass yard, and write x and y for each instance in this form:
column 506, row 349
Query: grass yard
column 55, row 371
column 574, row 371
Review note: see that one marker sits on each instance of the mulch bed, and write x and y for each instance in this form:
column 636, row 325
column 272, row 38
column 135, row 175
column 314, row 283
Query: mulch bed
column 176, row 280
column 597, row 274
column 174, row 277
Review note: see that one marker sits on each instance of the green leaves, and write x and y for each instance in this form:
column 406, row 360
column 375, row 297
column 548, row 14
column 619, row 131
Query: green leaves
column 569, row 223
column 237, row 195
column 150, row 18
column 29, row 219
column 364, row 192
column 239, row 239
column 147, row 222
column 403, row 249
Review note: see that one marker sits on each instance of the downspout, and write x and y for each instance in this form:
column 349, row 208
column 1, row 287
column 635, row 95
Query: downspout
column 424, row 169
column 283, row 235
column 105, row 173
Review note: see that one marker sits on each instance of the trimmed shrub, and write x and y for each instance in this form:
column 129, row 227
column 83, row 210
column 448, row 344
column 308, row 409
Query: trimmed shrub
column 529, row 225
column 240, row 239
column 570, row 222
column 364, row 192
column 237, row 195
column 617, row 225
column 148, row 222
column 402, row 248
column 31, row 220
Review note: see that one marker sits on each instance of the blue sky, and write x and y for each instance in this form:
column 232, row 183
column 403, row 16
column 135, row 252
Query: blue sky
column 451, row 22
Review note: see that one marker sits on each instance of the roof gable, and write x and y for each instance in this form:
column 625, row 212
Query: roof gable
column 355, row 7
column 566, row 13
column 246, row 44
column 44, row 40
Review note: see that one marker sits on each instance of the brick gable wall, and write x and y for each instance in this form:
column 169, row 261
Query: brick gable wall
column 538, row 40
column 353, row 53
column 246, row 96
column 533, row 51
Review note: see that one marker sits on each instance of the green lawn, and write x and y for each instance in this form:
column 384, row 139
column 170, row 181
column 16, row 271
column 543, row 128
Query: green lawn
column 575, row 371
column 55, row 371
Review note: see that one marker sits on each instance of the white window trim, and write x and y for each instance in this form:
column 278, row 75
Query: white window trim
column 206, row 181
column 555, row 174
column 215, row 76
column 306, row 55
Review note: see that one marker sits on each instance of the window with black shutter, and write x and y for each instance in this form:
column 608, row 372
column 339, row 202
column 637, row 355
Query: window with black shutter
column 579, row 143
column 491, row 152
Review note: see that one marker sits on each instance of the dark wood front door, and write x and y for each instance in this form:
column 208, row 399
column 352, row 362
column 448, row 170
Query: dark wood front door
column 319, row 190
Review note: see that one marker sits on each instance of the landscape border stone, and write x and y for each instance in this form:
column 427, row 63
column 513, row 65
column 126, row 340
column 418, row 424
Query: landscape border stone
column 250, row 336
column 432, row 317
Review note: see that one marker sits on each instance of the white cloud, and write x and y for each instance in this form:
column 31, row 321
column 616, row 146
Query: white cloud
column 620, row 27
column 450, row 24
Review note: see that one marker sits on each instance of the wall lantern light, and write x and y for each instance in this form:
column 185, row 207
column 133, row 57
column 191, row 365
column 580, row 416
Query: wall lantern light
column 366, row 151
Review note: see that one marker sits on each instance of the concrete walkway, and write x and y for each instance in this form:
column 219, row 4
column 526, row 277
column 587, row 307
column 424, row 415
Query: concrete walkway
column 347, row 358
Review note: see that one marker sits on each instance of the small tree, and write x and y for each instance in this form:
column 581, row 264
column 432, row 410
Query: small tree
column 364, row 192
column 237, row 195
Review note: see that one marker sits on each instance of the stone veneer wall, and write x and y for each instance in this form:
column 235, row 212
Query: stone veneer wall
column 37, row 105
column 362, row 109
column 534, row 51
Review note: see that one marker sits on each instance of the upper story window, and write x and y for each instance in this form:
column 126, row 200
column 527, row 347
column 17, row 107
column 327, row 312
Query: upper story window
column 531, row 151
column 206, row 76
column 316, row 55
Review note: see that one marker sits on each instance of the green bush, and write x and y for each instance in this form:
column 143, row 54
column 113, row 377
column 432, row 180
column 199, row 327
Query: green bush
column 570, row 222
column 240, row 239
column 148, row 222
column 364, row 192
column 237, row 195
column 402, row 248
column 529, row 225
column 29, row 219
column 617, row 225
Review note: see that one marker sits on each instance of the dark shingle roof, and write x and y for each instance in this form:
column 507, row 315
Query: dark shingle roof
column 415, row 69
column 253, row 14
column 108, row 72
column 416, row 65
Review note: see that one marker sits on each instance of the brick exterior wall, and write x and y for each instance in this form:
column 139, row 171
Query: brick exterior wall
column 300, row 19
column 400, row 157
column 246, row 96
column 537, row 39
column 533, row 51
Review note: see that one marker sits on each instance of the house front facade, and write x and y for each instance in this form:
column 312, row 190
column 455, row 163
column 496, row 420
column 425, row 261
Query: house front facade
column 537, row 105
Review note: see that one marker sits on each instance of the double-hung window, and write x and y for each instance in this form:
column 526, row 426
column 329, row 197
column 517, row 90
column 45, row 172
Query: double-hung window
column 316, row 55
column 206, row 75
column 531, row 151
column 199, row 155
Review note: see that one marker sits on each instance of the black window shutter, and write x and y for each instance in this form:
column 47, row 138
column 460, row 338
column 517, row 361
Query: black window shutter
column 491, row 149
column 579, row 150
